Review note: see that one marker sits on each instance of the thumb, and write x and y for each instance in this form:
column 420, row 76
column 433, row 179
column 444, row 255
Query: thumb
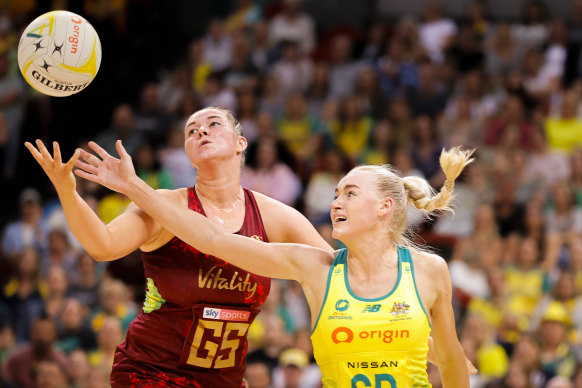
column 121, row 150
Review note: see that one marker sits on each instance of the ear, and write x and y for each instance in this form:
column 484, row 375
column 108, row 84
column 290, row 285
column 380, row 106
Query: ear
column 386, row 205
column 241, row 144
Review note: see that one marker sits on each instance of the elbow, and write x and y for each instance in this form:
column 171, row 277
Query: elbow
column 102, row 255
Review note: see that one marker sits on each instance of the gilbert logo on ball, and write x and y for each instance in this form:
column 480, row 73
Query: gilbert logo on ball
column 59, row 53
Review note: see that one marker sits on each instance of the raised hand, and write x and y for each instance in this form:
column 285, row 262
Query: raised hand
column 113, row 173
column 58, row 172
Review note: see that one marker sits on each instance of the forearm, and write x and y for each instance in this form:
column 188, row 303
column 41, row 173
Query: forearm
column 453, row 369
column 86, row 226
column 173, row 217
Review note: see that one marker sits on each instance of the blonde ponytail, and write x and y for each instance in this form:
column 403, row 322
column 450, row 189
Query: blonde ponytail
column 423, row 196
column 416, row 190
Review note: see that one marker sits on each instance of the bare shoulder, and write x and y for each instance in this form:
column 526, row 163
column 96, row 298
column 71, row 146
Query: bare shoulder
column 428, row 265
column 428, row 261
column 284, row 223
column 269, row 206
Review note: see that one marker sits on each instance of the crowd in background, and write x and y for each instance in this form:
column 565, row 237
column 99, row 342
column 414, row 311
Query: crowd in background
column 313, row 103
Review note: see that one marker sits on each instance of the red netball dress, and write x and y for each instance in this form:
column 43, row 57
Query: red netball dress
column 192, row 330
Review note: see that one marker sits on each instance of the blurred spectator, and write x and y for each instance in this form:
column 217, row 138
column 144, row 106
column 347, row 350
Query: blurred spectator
column 397, row 69
column 56, row 290
column 7, row 341
column 271, row 101
column 292, row 24
column 563, row 217
column 247, row 114
column 80, row 369
column 298, row 130
column 261, row 52
column 531, row 31
column 174, row 86
column 30, row 229
column 243, row 16
column 436, row 32
column 352, row 130
column 492, row 361
column 113, row 301
column 322, row 184
column 215, row 93
column 371, row 98
column 199, row 68
column 511, row 117
column 241, row 72
column 565, row 130
column 294, row 71
column 217, row 46
column 557, row 354
column 525, row 282
column 502, row 56
column 289, row 374
column 343, row 71
column 373, row 45
column 426, row 150
column 150, row 120
column 60, row 253
column 174, row 160
column 268, row 175
column 428, row 97
column 258, row 375
column 461, row 128
column 51, row 374
column 109, row 336
column 23, row 294
column 149, row 168
column 380, row 146
column 85, row 288
column 112, row 205
column 549, row 167
column 318, row 89
column 73, row 331
column 20, row 368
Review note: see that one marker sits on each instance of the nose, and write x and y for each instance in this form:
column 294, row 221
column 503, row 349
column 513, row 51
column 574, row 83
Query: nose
column 202, row 132
column 335, row 204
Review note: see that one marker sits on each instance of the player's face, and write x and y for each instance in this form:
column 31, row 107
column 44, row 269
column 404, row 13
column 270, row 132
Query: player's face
column 356, row 208
column 209, row 136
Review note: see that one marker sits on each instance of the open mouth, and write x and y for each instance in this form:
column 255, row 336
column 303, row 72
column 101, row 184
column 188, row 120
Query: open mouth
column 337, row 219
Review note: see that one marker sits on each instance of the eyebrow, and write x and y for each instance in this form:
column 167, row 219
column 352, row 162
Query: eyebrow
column 208, row 118
column 349, row 186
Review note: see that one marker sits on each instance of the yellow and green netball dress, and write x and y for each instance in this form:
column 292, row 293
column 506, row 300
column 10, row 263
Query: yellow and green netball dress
column 381, row 342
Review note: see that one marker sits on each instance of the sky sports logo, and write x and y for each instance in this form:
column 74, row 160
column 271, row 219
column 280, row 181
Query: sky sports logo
column 226, row 315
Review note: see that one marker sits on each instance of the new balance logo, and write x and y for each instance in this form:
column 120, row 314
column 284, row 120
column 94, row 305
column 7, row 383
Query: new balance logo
column 372, row 308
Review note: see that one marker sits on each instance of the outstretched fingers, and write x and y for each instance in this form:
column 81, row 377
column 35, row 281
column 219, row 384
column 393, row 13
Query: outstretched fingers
column 35, row 154
column 57, row 152
column 72, row 162
column 98, row 150
column 88, row 176
column 121, row 150
column 43, row 151
column 87, row 167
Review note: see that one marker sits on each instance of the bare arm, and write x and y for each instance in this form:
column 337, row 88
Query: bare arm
column 285, row 224
column 103, row 242
column 285, row 261
column 448, row 351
